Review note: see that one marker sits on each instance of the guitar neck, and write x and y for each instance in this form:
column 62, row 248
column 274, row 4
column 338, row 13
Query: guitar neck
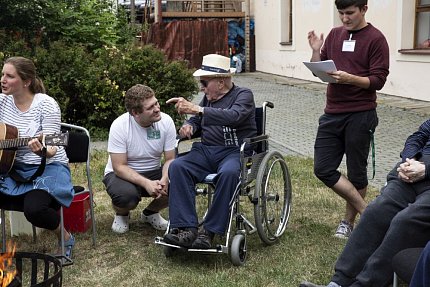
column 13, row 143
column 9, row 138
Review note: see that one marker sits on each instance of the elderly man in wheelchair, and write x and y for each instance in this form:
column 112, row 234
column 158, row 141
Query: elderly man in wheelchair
column 224, row 119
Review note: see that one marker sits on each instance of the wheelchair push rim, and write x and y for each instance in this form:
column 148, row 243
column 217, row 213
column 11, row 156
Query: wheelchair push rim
column 273, row 194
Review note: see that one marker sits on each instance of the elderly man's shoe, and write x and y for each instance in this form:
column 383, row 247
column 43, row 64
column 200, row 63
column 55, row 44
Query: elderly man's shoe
column 204, row 240
column 180, row 237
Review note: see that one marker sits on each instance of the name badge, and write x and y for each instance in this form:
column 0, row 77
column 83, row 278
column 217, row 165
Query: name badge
column 153, row 134
column 348, row 46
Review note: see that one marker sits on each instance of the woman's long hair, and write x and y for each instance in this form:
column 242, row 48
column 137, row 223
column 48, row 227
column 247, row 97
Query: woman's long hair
column 27, row 71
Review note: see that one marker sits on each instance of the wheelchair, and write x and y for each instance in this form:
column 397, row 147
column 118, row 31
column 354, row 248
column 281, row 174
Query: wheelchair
column 265, row 182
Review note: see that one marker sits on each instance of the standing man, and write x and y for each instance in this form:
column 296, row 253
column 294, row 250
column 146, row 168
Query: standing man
column 360, row 52
column 399, row 218
column 137, row 141
column 225, row 117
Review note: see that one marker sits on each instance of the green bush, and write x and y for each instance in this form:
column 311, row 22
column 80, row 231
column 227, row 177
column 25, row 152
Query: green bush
column 85, row 54
column 90, row 88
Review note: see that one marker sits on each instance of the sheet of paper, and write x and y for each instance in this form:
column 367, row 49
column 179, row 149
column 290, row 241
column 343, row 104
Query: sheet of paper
column 321, row 68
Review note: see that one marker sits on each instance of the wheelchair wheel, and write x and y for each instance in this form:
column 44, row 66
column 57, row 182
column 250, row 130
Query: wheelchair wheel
column 238, row 250
column 273, row 193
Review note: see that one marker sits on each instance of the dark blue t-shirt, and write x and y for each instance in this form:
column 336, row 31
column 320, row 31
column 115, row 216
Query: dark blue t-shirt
column 227, row 121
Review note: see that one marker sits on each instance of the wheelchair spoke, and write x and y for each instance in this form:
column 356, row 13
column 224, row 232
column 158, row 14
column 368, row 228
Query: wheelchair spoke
column 273, row 190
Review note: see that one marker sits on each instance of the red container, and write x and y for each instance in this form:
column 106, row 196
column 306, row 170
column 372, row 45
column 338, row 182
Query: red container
column 77, row 217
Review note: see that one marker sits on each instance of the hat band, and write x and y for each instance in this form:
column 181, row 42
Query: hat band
column 214, row 69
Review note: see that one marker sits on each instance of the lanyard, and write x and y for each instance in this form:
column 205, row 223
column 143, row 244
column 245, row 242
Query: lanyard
column 372, row 142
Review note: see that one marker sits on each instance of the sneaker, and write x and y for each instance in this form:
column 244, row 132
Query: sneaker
column 120, row 223
column 156, row 221
column 309, row 284
column 184, row 238
column 344, row 230
column 203, row 240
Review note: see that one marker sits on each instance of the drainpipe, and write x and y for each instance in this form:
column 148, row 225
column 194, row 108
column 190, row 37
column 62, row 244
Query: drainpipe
column 247, row 36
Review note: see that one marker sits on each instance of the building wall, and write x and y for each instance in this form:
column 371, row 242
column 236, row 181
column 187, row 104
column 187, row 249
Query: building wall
column 409, row 76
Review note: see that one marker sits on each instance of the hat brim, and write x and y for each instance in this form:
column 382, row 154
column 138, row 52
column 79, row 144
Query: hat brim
column 202, row 73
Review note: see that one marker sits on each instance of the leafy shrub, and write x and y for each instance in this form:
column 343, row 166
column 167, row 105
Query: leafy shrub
column 83, row 54
column 90, row 88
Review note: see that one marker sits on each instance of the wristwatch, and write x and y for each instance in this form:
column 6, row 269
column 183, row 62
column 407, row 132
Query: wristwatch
column 201, row 111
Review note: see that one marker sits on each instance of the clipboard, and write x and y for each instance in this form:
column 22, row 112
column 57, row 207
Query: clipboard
column 321, row 68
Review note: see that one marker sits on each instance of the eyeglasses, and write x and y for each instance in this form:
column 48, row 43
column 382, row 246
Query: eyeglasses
column 205, row 83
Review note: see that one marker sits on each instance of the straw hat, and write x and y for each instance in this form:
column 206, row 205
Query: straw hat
column 216, row 66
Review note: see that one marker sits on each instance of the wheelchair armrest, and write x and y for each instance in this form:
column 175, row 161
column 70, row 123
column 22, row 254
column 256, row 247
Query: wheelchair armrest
column 250, row 141
column 256, row 139
column 180, row 140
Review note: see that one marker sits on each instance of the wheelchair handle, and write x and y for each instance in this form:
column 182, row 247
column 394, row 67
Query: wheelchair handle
column 269, row 104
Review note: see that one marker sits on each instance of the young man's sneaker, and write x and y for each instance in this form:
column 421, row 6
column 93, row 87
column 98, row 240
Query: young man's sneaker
column 156, row 221
column 181, row 237
column 120, row 223
column 344, row 230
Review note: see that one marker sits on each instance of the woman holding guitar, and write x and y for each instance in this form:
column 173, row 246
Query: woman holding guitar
column 39, row 180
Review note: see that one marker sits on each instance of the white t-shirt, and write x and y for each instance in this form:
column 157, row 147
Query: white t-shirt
column 143, row 146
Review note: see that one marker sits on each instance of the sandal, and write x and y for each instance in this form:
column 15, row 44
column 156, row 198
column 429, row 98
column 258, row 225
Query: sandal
column 68, row 246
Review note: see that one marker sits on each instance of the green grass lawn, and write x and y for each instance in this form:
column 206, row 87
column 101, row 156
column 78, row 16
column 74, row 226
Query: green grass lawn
column 307, row 251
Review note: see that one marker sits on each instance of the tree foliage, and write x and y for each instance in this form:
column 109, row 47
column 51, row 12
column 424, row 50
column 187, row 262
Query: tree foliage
column 86, row 55
column 92, row 23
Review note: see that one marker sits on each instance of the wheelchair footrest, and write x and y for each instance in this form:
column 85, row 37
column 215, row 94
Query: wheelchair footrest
column 217, row 249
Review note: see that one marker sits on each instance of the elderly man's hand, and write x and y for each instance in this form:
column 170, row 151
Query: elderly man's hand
column 183, row 106
column 411, row 171
column 186, row 131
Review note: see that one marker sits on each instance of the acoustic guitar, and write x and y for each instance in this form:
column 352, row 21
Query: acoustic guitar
column 9, row 142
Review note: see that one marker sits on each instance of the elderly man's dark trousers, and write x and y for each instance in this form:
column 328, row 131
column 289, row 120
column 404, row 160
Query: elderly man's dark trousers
column 188, row 170
column 398, row 218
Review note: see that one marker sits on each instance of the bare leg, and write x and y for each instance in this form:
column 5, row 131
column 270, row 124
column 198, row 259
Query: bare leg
column 121, row 211
column 353, row 197
column 351, row 212
column 57, row 232
column 158, row 204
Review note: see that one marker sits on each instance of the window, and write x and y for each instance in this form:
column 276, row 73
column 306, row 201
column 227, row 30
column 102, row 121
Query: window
column 286, row 22
column 422, row 24
column 419, row 40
